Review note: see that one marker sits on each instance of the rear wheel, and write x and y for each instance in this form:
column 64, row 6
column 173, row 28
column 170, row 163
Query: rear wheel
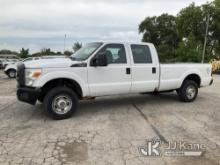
column 188, row 91
column 11, row 73
column 61, row 102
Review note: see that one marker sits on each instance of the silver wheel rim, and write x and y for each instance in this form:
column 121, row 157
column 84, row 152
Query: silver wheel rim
column 12, row 74
column 62, row 104
column 190, row 92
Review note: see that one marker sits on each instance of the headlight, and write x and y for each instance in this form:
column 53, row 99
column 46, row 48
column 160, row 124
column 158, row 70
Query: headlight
column 31, row 75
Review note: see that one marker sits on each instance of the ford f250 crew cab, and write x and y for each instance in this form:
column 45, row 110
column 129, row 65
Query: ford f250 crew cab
column 103, row 69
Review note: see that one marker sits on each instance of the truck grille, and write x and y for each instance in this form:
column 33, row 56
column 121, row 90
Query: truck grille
column 21, row 74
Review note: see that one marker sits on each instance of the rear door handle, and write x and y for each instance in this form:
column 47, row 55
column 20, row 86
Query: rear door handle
column 154, row 70
column 128, row 70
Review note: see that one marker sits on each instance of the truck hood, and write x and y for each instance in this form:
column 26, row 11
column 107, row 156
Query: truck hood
column 51, row 63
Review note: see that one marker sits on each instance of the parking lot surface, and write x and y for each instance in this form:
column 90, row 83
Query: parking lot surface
column 109, row 130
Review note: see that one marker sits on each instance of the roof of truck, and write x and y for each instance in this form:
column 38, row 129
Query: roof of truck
column 122, row 42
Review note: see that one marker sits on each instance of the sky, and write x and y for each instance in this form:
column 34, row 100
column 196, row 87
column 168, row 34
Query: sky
column 37, row 24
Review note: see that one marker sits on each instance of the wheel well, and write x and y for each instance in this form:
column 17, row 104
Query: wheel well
column 195, row 78
column 62, row 82
column 10, row 69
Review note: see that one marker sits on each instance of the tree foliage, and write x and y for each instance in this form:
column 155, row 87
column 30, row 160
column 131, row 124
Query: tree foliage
column 180, row 38
column 5, row 51
column 77, row 46
column 68, row 53
column 161, row 31
column 24, row 53
column 46, row 52
column 189, row 50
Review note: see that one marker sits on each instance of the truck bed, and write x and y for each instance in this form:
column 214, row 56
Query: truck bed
column 172, row 75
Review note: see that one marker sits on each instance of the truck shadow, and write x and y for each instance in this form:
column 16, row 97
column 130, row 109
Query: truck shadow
column 104, row 104
column 121, row 102
column 87, row 107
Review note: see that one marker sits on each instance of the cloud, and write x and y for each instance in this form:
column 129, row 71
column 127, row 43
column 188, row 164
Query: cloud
column 36, row 24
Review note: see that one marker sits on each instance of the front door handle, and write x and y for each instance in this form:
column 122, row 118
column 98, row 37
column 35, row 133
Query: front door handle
column 128, row 70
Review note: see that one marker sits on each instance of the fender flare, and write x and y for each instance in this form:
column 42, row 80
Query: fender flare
column 191, row 72
column 62, row 75
column 10, row 69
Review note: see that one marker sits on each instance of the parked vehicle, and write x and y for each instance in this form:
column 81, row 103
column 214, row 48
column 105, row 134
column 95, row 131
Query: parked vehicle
column 11, row 69
column 1, row 63
column 101, row 69
column 6, row 62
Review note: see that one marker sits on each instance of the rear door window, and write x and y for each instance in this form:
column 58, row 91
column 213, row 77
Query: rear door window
column 141, row 54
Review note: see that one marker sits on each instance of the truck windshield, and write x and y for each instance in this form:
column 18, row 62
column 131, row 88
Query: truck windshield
column 85, row 52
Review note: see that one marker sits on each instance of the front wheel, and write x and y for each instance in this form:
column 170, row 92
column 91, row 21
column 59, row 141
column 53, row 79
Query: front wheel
column 188, row 91
column 11, row 73
column 61, row 103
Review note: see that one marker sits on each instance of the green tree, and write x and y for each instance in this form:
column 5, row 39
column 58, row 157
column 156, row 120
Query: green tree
column 161, row 31
column 77, row 46
column 48, row 52
column 214, row 47
column 24, row 53
column 37, row 54
column 5, row 51
column 68, row 53
column 189, row 50
column 193, row 19
column 170, row 33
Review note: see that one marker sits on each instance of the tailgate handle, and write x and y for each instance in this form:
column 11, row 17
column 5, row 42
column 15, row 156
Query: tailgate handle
column 154, row 70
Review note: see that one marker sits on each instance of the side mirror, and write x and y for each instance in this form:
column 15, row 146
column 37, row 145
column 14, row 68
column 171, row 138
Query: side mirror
column 100, row 60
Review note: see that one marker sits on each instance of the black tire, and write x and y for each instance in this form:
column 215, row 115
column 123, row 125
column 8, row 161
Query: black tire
column 11, row 73
column 184, row 94
column 52, row 95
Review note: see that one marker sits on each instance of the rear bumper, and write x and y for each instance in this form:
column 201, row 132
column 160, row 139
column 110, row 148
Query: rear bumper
column 206, row 81
column 28, row 95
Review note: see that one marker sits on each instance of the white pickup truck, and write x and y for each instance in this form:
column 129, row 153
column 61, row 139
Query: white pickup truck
column 103, row 69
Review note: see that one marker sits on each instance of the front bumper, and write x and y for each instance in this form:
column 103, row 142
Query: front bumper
column 28, row 95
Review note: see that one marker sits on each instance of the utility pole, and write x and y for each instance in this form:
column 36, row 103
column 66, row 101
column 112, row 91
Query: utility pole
column 205, row 42
column 64, row 46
